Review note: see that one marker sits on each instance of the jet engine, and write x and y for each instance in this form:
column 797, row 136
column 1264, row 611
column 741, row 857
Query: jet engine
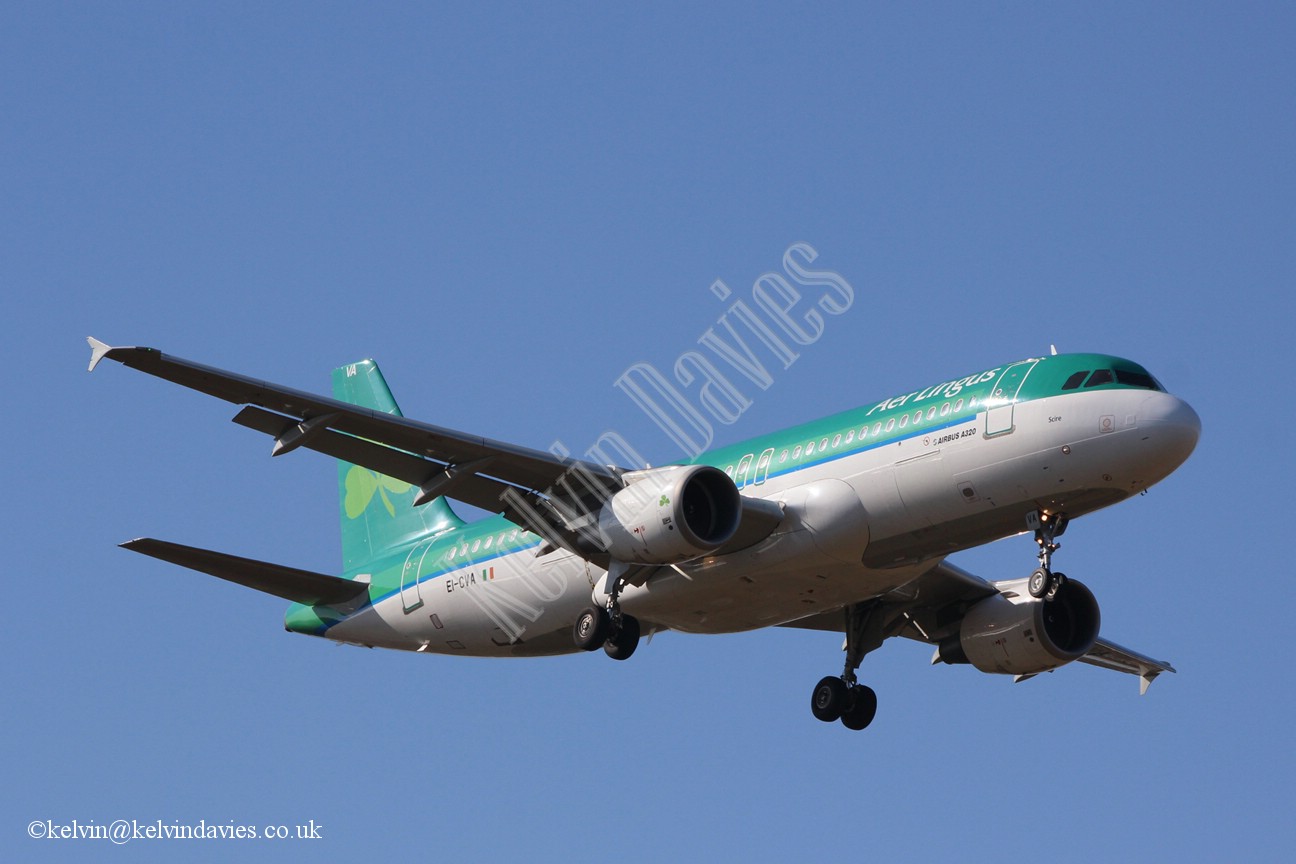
column 1014, row 633
column 671, row 515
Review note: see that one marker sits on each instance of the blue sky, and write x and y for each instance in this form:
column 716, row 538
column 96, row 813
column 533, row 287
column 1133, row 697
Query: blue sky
column 509, row 207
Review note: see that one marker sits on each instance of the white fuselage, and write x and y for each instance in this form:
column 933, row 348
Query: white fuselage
column 855, row 527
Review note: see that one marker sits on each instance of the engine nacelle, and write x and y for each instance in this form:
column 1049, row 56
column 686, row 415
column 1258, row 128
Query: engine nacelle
column 1014, row 633
column 671, row 515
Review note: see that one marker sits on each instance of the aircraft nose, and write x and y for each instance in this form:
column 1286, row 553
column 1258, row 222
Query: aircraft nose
column 1171, row 425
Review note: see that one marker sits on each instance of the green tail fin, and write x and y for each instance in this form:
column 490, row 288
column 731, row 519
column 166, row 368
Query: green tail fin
column 378, row 512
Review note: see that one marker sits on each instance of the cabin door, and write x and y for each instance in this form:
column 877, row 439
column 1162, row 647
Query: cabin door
column 999, row 407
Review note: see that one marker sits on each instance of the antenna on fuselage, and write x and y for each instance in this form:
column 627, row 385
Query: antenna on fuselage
column 1053, row 350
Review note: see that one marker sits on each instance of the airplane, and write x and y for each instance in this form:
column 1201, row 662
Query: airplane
column 843, row 524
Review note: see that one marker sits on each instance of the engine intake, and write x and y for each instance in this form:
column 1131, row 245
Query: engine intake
column 1014, row 634
column 671, row 515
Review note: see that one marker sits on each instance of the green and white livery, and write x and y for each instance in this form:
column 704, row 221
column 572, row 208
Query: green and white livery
column 841, row 524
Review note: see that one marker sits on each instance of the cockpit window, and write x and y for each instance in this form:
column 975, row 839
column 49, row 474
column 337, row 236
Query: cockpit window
column 1136, row 379
column 1074, row 381
column 1101, row 376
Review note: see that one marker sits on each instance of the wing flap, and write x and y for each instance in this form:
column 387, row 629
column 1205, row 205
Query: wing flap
column 521, row 466
column 466, row 485
column 299, row 586
column 461, row 482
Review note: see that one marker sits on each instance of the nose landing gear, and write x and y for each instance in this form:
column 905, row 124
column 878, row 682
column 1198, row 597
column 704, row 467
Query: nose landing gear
column 1044, row 583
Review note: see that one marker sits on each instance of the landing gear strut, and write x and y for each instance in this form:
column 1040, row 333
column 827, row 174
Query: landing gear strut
column 617, row 632
column 844, row 698
column 1044, row 583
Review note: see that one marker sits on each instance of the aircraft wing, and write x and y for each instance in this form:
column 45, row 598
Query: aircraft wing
column 522, row 466
column 531, row 487
column 469, row 468
column 930, row 608
column 1109, row 655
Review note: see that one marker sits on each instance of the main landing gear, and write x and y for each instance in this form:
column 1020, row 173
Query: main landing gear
column 617, row 632
column 1044, row 583
column 844, row 698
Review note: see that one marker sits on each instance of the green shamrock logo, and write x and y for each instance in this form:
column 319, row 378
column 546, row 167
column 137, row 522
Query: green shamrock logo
column 361, row 484
column 664, row 502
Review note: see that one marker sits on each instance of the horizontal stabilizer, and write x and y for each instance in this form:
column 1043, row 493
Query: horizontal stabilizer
column 299, row 586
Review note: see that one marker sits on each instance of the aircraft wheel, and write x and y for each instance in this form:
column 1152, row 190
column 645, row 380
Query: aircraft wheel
column 1039, row 583
column 1055, row 585
column 590, row 630
column 624, row 642
column 829, row 699
column 862, row 709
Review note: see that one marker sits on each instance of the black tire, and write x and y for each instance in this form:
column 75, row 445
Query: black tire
column 862, row 710
column 1055, row 587
column 624, row 642
column 1039, row 583
column 829, row 699
column 590, row 629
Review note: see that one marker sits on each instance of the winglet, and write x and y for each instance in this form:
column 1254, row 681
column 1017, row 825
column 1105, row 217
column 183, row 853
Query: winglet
column 1147, row 677
column 98, row 351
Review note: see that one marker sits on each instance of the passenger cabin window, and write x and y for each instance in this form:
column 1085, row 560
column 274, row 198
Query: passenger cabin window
column 1074, row 381
column 1101, row 376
